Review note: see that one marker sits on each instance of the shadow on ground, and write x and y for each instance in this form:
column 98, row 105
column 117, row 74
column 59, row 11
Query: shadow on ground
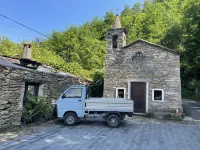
column 192, row 108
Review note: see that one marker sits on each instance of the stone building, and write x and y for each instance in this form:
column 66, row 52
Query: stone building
column 18, row 77
column 142, row 71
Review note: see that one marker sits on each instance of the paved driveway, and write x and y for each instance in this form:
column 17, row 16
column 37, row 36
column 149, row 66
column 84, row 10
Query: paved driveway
column 193, row 107
column 140, row 134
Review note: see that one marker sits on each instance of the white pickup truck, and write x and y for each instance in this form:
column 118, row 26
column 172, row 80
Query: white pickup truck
column 74, row 105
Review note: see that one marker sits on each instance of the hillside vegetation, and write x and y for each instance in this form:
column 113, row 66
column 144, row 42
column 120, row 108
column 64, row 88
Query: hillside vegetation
column 80, row 50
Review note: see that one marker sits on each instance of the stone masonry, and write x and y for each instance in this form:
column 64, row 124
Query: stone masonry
column 160, row 68
column 12, row 86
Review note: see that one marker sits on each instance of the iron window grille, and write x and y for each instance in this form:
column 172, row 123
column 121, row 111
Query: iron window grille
column 138, row 57
column 158, row 95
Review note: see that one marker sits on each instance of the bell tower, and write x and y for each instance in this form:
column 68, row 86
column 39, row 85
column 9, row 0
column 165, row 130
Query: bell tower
column 115, row 41
column 116, row 37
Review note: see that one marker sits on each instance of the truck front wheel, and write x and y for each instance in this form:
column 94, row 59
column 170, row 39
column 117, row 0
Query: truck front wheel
column 113, row 121
column 70, row 119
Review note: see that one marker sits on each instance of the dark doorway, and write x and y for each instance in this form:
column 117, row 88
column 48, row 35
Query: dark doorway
column 30, row 89
column 138, row 95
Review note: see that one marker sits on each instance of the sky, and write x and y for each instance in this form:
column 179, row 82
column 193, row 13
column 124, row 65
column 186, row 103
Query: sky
column 48, row 15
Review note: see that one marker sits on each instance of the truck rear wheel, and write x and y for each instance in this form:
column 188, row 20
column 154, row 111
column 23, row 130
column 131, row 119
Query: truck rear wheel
column 113, row 121
column 70, row 119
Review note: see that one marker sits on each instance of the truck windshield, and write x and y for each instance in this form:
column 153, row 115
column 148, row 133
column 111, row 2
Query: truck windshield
column 73, row 93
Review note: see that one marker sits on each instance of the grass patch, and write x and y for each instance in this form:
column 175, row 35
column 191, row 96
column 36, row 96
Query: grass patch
column 193, row 97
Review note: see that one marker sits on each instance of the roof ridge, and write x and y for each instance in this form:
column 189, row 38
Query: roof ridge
column 163, row 47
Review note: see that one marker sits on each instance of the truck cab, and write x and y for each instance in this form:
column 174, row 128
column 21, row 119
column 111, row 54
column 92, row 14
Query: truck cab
column 72, row 99
column 74, row 104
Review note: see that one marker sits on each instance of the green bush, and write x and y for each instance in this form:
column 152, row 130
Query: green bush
column 190, row 94
column 177, row 117
column 36, row 109
column 97, row 84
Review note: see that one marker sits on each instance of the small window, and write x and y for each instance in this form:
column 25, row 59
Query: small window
column 115, row 37
column 138, row 57
column 73, row 93
column 120, row 92
column 158, row 95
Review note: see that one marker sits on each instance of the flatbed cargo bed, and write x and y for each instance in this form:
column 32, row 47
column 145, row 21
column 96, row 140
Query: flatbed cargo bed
column 109, row 104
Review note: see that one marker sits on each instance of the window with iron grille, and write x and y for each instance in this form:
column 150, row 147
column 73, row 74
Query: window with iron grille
column 138, row 57
column 158, row 95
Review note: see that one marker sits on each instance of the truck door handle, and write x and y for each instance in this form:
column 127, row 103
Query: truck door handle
column 79, row 100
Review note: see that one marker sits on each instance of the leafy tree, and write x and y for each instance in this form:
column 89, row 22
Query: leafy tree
column 191, row 55
column 9, row 48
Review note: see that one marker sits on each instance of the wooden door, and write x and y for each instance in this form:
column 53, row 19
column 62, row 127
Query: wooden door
column 138, row 95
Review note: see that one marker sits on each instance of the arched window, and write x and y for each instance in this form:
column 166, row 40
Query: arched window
column 138, row 57
column 114, row 39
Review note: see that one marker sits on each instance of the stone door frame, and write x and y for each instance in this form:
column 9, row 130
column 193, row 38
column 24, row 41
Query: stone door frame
column 147, row 89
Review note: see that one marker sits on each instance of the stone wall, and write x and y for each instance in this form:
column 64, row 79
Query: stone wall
column 160, row 68
column 12, row 86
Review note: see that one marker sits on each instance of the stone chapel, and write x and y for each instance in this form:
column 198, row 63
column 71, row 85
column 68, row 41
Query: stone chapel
column 142, row 71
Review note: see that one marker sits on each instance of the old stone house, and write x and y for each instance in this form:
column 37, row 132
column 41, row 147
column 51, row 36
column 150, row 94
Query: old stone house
column 142, row 71
column 18, row 77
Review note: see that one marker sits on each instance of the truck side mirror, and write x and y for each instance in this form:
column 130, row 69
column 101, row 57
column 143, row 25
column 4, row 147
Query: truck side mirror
column 64, row 95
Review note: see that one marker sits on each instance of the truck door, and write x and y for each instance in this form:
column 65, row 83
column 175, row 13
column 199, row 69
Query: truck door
column 72, row 100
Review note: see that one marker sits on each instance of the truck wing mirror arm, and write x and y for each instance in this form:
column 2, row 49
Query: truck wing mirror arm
column 64, row 95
